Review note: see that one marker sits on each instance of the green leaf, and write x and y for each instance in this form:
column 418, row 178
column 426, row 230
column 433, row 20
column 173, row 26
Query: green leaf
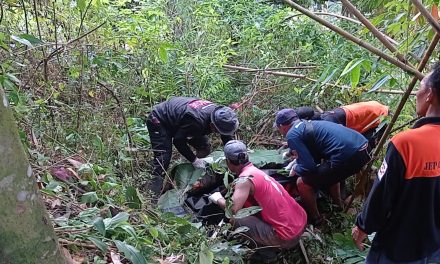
column 171, row 199
column 81, row 4
column 99, row 225
column 163, row 54
column 153, row 232
column 22, row 41
column 130, row 230
column 89, row 197
column 217, row 247
column 99, row 243
column 32, row 39
column 205, row 255
column 115, row 221
column 355, row 76
column 132, row 198
column 185, row 175
column 131, row 253
column 379, row 83
column 226, row 260
column 244, row 212
column 350, row 66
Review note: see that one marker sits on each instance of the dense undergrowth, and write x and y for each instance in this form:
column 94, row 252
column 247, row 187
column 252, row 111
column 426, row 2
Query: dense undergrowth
column 82, row 75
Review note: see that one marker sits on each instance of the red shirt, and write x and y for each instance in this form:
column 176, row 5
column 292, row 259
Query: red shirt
column 279, row 209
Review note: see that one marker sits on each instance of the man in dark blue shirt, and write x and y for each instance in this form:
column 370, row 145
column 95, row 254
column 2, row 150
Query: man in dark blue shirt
column 327, row 153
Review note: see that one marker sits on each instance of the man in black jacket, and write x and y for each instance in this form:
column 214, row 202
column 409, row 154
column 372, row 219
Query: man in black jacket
column 185, row 122
column 403, row 207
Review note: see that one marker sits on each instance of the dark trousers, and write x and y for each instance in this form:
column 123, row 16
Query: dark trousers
column 162, row 145
column 326, row 175
column 379, row 257
column 262, row 234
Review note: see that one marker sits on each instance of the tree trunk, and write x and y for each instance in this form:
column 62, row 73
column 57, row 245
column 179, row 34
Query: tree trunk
column 26, row 232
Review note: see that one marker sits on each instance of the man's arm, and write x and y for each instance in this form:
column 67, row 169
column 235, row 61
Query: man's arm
column 305, row 161
column 188, row 128
column 239, row 197
column 379, row 204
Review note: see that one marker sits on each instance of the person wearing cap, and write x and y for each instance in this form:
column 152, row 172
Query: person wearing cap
column 281, row 220
column 326, row 154
column 185, row 122
column 364, row 117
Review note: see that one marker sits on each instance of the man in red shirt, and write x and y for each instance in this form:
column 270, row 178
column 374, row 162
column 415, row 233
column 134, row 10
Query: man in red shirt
column 281, row 221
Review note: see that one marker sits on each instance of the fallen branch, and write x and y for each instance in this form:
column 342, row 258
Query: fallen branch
column 80, row 244
column 356, row 40
column 232, row 67
column 302, row 76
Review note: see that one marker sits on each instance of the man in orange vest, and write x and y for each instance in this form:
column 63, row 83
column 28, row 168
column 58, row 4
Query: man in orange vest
column 403, row 204
column 363, row 117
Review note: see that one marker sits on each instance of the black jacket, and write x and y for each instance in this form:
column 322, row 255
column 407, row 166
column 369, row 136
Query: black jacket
column 185, row 118
column 403, row 206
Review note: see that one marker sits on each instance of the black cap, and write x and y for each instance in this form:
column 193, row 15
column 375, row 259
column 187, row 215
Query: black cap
column 285, row 116
column 225, row 120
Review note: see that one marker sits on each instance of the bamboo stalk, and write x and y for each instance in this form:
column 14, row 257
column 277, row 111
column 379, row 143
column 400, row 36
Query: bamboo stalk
column 356, row 40
column 379, row 35
column 364, row 173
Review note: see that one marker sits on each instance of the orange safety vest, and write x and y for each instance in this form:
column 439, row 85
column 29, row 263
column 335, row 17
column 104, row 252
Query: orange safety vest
column 364, row 116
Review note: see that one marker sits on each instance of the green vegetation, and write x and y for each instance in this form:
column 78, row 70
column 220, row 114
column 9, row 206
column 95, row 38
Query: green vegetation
column 81, row 76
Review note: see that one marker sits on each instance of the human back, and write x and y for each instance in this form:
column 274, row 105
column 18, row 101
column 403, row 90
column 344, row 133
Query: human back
column 279, row 209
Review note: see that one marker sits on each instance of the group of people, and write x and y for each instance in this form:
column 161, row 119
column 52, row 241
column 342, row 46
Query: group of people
column 402, row 209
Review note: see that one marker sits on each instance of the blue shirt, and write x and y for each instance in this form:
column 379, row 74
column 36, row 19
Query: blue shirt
column 333, row 142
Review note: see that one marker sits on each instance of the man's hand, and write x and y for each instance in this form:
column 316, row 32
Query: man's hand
column 358, row 237
column 199, row 163
column 215, row 197
column 287, row 155
column 291, row 168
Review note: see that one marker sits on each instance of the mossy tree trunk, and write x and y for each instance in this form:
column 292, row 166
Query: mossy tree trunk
column 26, row 232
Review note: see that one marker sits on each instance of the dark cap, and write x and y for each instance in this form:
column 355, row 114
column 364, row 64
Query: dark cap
column 225, row 120
column 285, row 116
column 235, row 150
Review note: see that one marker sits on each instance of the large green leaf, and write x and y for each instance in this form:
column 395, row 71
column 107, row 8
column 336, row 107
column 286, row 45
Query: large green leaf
column 171, row 199
column 351, row 65
column 99, row 243
column 185, row 175
column 131, row 253
column 32, row 39
column 355, row 76
column 205, row 255
column 22, row 41
column 89, row 197
column 244, row 212
column 259, row 157
column 380, row 82
column 99, row 225
column 132, row 197
column 115, row 221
